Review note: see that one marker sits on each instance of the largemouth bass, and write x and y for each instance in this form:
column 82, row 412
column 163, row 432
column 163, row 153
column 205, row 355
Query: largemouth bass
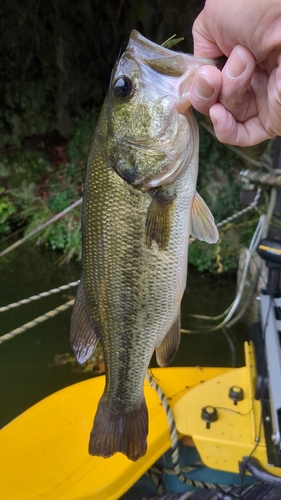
column 140, row 205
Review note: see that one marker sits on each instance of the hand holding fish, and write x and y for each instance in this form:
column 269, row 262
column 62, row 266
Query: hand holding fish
column 244, row 99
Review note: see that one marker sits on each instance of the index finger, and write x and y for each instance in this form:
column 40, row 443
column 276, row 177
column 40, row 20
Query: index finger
column 229, row 131
column 204, row 44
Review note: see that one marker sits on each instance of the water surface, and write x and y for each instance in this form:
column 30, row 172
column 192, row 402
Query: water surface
column 27, row 370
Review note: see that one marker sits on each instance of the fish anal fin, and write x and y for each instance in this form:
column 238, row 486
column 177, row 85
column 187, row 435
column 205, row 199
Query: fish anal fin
column 159, row 218
column 203, row 226
column 125, row 433
column 83, row 336
column 166, row 351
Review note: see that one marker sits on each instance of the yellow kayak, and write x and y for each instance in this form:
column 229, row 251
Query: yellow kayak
column 44, row 450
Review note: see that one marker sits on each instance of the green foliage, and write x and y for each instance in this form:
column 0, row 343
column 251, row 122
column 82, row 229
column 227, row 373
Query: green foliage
column 62, row 65
column 217, row 178
column 36, row 191
column 201, row 255
column 22, row 167
column 51, row 81
column 7, row 208
column 66, row 236
column 78, row 146
column 21, row 171
column 171, row 42
column 217, row 184
column 63, row 188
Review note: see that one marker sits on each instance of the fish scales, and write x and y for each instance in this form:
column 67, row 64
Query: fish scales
column 144, row 282
column 137, row 215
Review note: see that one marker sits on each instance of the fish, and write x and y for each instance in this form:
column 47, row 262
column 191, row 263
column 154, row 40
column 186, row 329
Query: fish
column 139, row 207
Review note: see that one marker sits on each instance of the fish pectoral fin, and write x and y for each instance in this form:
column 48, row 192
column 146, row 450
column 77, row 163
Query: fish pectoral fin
column 203, row 226
column 166, row 351
column 159, row 218
column 125, row 432
column 83, row 336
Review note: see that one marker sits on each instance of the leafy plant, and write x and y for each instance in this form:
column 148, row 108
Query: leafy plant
column 79, row 143
column 7, row 208
column 217, row 183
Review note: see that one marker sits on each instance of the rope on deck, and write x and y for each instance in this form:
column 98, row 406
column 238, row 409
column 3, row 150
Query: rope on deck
column 38, row 296
column 36, row 321
column 252, row 492
column 157, row 471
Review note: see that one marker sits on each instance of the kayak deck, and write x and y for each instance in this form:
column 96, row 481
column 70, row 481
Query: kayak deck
column 44, row 451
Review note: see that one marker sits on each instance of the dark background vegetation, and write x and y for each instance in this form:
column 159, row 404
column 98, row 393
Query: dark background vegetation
column 55, row 64
column 57, row 55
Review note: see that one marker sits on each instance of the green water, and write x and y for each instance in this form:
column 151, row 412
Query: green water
column 27, row 370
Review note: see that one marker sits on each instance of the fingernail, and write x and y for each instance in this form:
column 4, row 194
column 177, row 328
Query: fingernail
column 235, row 65
column 213, row 118
column 202, row 87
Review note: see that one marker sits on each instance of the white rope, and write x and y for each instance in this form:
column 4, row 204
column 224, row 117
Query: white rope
column 243, row 211
column 36, row 321
column 233, row 307
column 258, row 234
column 177, row 469
column 38, row 296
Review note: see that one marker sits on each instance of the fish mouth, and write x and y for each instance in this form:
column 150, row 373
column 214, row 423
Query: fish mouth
column 142, row 48
column 178, row 67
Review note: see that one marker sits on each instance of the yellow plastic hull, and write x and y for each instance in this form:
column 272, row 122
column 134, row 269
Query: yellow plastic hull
column 44, row 450
column 238, row 430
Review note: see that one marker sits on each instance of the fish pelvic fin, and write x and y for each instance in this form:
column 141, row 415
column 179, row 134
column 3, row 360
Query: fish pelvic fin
column 203, row 226
column 125, row 433
column 83, row 337
column 159, row 218
column 166, row 351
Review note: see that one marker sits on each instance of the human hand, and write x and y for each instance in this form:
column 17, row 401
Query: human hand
column 244, row 99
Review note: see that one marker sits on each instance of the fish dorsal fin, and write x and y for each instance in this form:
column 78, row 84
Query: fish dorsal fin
column 83, row 336
column 169, row 346
column 203, row 226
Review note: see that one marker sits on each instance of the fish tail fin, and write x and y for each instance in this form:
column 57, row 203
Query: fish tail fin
column 124, row 433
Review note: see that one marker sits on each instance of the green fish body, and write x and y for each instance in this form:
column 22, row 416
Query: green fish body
column 140, row 205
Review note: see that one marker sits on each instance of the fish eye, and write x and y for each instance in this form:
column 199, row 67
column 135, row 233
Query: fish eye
column 123, row 87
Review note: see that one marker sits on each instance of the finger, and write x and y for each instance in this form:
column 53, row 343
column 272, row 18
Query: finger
column 229, row 131
column 236, row 93
column 273, row 115
column 205, row 88
column 204, row 44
